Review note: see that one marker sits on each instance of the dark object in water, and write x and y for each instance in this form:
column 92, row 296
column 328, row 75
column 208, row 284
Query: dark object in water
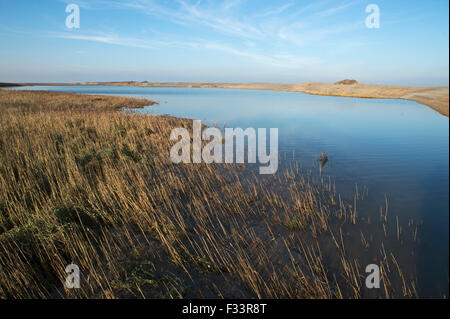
column 323, row 159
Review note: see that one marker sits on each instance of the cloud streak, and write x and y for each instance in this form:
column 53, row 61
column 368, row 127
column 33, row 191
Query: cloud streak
column 282, row 60
column 288, row 27
column 222, row 17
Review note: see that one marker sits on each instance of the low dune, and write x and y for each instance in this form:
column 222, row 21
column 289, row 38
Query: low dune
column 435, row 97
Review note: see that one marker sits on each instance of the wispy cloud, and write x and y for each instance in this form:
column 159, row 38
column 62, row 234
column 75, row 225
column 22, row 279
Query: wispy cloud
column 274, row 11
column 289, row 25
column 108, row 39
column 222, row 16
column 335, row 10
column 228, row 4
column 283, row 60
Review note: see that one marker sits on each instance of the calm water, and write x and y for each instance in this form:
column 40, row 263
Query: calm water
column 395, row 148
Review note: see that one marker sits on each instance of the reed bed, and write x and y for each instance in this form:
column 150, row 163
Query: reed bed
column 83, row 183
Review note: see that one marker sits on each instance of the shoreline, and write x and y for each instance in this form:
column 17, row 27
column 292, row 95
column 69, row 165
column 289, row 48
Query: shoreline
column 437, row 98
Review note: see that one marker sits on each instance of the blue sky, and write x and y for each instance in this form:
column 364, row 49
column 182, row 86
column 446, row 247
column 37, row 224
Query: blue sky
column 233, row 40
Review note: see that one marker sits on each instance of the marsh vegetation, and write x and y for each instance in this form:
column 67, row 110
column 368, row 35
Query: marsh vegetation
column 83, row 183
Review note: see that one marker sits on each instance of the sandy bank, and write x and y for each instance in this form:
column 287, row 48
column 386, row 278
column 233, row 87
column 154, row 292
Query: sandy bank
column 436, row 98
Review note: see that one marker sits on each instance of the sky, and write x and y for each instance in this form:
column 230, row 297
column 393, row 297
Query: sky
column 225, row 41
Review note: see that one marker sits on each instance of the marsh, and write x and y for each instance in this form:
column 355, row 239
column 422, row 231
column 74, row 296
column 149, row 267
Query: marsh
column 395, row 151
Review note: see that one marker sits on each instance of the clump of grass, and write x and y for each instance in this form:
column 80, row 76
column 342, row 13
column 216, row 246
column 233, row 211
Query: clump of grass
column 294, row 224
column 82, row 183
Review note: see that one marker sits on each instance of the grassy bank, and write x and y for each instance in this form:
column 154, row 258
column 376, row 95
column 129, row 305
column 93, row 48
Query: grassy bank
column 83, row 183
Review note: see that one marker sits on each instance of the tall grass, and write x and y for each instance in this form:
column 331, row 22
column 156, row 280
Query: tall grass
column 83, row 183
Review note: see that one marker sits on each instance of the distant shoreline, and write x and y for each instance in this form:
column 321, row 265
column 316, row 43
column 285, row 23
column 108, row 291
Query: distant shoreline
column 436, row 98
